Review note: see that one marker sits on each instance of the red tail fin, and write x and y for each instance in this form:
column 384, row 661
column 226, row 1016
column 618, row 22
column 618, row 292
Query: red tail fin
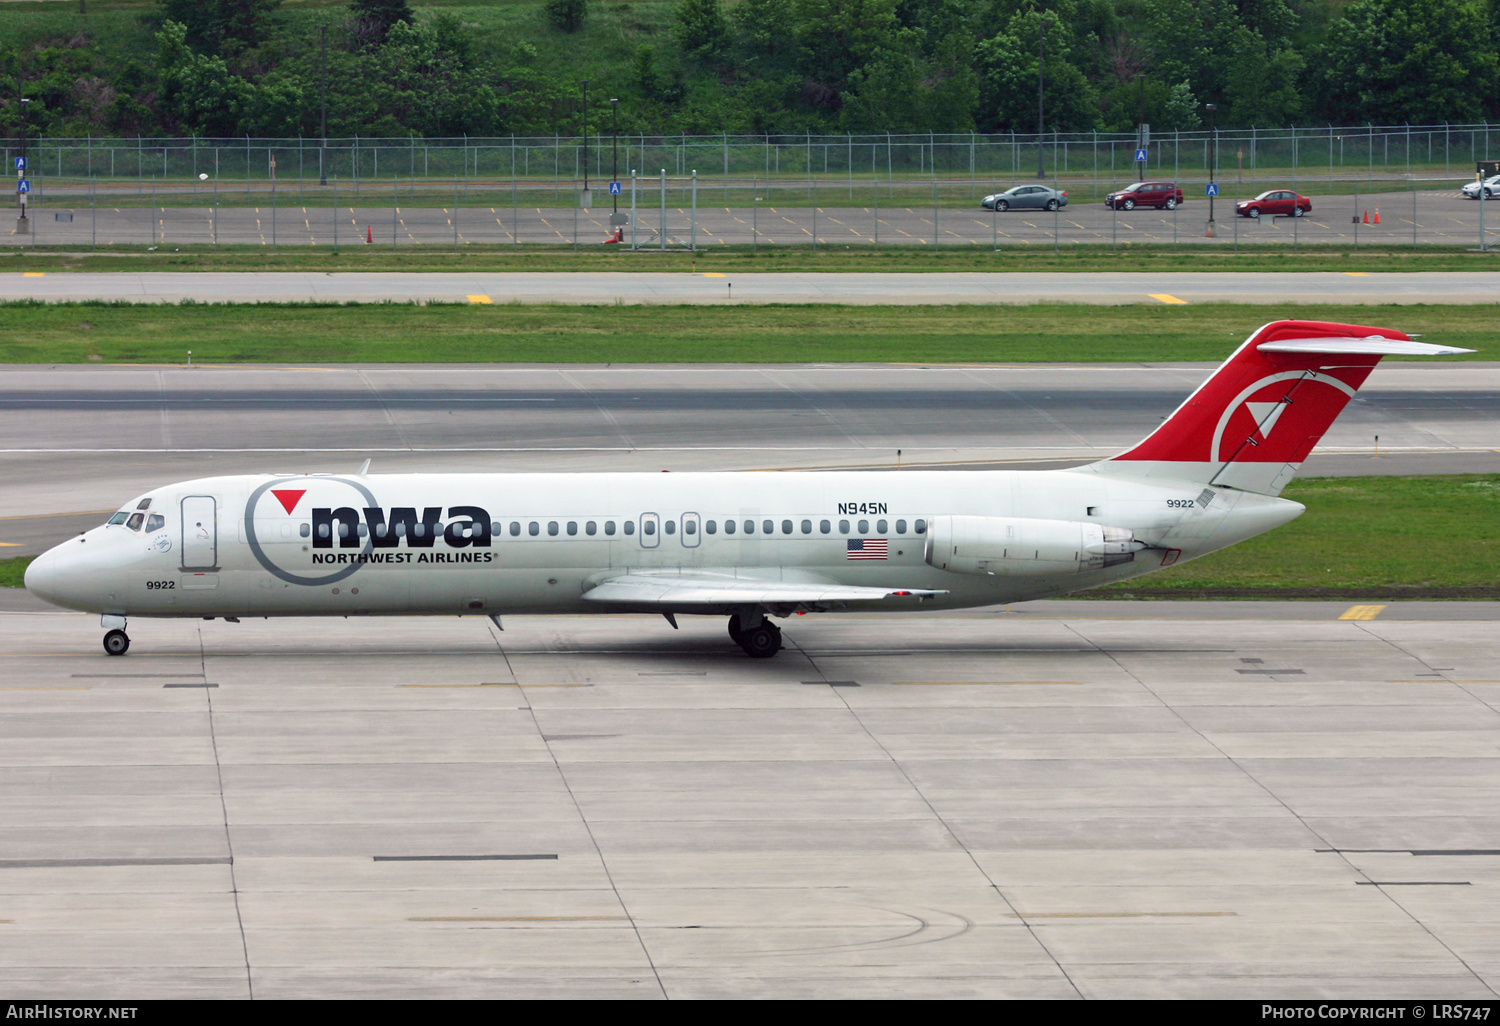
column 1255, row 420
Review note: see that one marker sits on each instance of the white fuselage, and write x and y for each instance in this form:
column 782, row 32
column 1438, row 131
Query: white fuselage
column 266, row 546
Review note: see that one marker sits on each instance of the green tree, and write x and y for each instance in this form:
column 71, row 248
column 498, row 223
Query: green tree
column 1408, row 60
column 1007, row 75
column 222, row 26
column 1181, row 111
column 701, row 30
column 374, row 19
column 1262, row 85
column 567, row 15
column 764, row 35
column 197, row 91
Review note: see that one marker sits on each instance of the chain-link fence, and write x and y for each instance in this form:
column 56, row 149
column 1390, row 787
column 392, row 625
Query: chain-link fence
column 1368, row 184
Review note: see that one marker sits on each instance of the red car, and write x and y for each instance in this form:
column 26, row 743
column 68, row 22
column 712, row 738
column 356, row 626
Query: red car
column 1276, row 201
column 1162, row 195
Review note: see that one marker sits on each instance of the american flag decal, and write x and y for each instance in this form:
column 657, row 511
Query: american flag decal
column 867, row 548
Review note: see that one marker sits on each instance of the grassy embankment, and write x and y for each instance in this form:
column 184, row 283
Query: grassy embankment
column 1361, row 538
column 1190, row 258
column 464, row 333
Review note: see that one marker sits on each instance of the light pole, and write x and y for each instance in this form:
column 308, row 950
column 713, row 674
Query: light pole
column 1213, row 156
column 1041, row 107
column 22, row 225
column 323, row 106
column 614, row 173
column 586, row 196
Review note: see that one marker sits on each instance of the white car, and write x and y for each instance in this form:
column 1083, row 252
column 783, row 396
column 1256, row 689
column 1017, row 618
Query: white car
column 1491, row 188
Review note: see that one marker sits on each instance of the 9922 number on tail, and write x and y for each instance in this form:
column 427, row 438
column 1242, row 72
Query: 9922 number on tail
column 160, row 585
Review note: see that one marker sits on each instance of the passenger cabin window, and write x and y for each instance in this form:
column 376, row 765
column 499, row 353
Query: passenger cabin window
column 497, row 528
column 304, row 530
column 649, row 527
column 533, row 528
column 155, row 522
column 552, row 528
column 807, row 527
column 609, row 527
column 768, row 527
column 119, row 518
column 689, row 527
column 824, row 527
column 729, row 527
column 749, row 526
column 515, row 528
column 134, row 523
column 843, row 527
column 711, row 526
column 590, row 528
column 864, row 527
column 921, row 526
column 572, row 528
column 901, row 527
column 630, row 527
column 786, row 527
column 670, row 527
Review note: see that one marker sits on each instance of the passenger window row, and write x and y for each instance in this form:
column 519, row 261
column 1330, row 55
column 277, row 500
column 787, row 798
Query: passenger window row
column 554, row 528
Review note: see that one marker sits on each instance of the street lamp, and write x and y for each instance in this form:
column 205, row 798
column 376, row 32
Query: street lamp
column 1213, row 156
column 586, row 196
column 614, row 174
column 1041, row 60
column 22, row 225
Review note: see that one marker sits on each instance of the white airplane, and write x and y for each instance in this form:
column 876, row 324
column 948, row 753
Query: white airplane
column 746, row 545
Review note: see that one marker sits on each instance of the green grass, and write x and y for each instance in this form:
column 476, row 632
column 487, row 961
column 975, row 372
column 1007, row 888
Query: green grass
column 506, row 333
column 743, row 260
column 13, row 571
column 1366, row 534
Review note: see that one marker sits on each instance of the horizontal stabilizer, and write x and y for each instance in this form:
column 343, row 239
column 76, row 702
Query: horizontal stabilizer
column 680, row 591
column 1375, row 346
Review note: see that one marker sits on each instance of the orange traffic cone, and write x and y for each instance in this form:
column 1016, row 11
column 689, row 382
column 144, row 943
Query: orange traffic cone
column 1377, row 215
column 369, row 235
column 1367, row 217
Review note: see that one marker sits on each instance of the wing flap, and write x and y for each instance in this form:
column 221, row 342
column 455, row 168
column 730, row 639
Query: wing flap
column 679, row 591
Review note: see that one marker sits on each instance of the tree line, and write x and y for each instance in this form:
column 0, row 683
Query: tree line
column 233, row 67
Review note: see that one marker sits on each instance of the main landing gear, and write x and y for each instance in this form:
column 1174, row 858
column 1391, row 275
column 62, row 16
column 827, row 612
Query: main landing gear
column 761, row 640
column 116, row 641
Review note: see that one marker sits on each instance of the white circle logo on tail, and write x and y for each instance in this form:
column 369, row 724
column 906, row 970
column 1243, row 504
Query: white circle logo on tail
column 276, row 503
column 1265, row 403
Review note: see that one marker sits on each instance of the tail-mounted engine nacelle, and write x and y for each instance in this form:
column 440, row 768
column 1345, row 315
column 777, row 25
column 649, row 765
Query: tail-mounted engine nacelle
column 1018, row 546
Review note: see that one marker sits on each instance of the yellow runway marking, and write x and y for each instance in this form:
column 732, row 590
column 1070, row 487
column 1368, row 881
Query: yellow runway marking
column 712, row 274
column 481, row 300
column 41, row 688
column 497, row 684
column 1444, row 680
column 33, row 274
column 10, row 545
column 515, row 919
column 1361, row 612
column 1170, row 300
column 1357, row 274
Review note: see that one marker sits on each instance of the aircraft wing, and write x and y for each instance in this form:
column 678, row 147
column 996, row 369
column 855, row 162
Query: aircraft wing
column 680, row 591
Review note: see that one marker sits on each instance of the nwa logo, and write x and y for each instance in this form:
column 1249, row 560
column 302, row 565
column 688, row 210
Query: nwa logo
column 352, row 529
column 1279, row 417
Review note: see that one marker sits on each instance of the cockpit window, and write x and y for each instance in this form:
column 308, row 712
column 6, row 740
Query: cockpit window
column 118, row 518
column 134, row 523
column 155, row 522
column 143, row 504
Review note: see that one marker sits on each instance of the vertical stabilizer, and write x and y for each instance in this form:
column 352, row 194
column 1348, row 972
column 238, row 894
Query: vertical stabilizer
column 1252, row 423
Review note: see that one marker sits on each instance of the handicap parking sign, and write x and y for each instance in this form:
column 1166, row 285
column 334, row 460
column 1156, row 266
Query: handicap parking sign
column 614, row 188
column 1140, row 154
column 1213, row 189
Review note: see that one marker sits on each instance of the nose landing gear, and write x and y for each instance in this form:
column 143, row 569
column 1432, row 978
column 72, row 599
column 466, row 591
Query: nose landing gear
column 116, row 642
column 760, row 640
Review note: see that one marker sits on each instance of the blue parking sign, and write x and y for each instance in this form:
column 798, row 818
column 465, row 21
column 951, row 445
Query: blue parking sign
column 1213, row 189
column 23, row 186
column 614, row 188
column 20, row 163
column 1140, row 154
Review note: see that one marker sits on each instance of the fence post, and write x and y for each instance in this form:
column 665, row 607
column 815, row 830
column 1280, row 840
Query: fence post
column 395, row 208
column 694, row 237
column 663, row 210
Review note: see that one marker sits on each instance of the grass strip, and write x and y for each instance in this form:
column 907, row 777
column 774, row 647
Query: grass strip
column 13, row 571
column 1361, row 537
column 511, row 333
column 1191, row 257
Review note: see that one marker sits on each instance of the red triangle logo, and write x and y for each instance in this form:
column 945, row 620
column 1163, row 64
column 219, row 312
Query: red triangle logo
column 289, row 498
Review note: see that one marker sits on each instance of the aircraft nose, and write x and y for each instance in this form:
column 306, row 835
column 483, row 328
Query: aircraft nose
column 41, row 575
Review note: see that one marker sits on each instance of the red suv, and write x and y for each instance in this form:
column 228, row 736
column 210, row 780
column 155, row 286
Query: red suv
column 1162, row 195
column 1277, row 201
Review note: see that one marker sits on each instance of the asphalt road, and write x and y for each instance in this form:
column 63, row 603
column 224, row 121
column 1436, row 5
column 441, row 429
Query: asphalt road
column 608, row 288
column 82, row 439
column 1434, row 216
